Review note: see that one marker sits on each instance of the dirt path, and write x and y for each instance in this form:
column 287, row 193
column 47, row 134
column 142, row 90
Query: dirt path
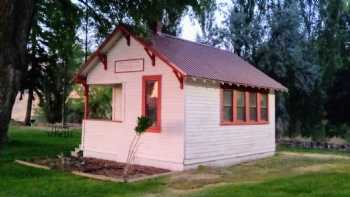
column 314, row 155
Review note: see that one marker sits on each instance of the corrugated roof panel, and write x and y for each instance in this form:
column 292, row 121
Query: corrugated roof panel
column 208, row 62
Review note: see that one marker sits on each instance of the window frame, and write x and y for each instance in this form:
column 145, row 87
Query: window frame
column 158, row 78
column 247, row 92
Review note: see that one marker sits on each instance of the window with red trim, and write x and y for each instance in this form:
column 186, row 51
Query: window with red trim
column 244, row 106
column 151, row 105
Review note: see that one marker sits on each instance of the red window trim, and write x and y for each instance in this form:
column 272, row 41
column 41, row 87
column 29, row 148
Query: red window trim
column 247, row 107
column 158, row 78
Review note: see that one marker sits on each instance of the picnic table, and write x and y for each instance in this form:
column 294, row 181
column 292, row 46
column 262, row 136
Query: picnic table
column 59, row 130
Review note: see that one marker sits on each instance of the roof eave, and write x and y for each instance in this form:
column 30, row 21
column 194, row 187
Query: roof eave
column 281, row 88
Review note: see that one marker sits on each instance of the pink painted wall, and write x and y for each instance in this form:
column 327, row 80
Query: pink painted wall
column 110, row 140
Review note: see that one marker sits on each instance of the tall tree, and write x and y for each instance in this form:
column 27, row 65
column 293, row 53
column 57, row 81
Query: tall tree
column 54, row 54
column 338, row 102
column 59, row 23
column 333, row 30
column 283, row 57
column 207, row 20
column 104, row 15
column 244, row 27
column 15, row 21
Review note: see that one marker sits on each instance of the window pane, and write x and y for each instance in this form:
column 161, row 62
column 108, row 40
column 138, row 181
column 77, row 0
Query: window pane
column 227, row 113
column 152, row 100
column 264, row 114
column 252, row 99
column 227, row 105
column 241, row 113
column 227, row 97
column 264, row 100
column 253, row 114
column 263, row 108
column 240, row 98
column 240, row 95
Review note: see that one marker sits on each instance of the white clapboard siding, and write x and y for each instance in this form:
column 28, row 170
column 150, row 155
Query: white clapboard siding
column 206, row 141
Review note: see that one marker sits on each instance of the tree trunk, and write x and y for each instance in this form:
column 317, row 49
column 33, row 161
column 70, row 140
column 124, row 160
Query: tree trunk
column 15, row 21
column 27, row 120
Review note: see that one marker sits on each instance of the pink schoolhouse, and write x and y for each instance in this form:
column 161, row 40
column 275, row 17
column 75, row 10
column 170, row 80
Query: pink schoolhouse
column 209, row 106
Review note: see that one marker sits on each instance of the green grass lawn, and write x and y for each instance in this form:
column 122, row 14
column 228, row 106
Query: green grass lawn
column 282, row 175
column 17, row 180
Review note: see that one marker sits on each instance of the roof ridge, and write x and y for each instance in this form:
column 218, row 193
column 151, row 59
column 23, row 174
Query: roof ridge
column 197, row 43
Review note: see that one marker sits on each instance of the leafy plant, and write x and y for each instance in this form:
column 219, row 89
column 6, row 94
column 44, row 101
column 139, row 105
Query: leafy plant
column 143, row 123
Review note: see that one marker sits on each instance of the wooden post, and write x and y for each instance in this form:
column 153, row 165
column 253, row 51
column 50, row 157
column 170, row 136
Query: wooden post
column 86, row 100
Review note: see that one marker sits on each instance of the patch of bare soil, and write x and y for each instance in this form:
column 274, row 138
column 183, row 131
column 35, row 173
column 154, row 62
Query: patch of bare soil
column 98, row 167
column 315, row 155
column 193, row 179
column 315, row 168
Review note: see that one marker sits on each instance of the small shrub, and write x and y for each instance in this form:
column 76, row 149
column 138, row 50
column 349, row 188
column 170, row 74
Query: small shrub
column 143, row 123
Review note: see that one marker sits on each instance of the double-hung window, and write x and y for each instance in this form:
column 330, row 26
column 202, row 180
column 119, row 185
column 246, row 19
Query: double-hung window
column 244, row 106
column 151, row 100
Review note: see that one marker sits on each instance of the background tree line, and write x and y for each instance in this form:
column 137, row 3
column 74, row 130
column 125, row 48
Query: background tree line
column 304, row 44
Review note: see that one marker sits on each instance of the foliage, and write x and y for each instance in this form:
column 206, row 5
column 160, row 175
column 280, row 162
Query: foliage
column 283, row 57
column 143, row 123
column 100, row 103
column 54, row 55
column 338, row 104
column 104, row 15
column 75, row 110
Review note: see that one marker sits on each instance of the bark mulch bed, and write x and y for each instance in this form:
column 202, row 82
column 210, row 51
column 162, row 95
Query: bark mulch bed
column 98, row 167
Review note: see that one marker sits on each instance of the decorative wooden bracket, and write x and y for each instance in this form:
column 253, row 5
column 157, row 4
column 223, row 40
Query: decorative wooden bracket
column 180, row 77
column 127, row 37
column 151, row 55
column 103, row 59
column 82, row 80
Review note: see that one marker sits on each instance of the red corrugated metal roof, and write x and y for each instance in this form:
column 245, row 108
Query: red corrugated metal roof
column 208, row 62
column 198, row 60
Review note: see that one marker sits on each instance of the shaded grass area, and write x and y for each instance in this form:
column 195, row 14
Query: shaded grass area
column 27, row 143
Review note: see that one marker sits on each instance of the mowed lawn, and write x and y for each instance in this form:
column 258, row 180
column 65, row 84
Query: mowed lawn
column 289, row 173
